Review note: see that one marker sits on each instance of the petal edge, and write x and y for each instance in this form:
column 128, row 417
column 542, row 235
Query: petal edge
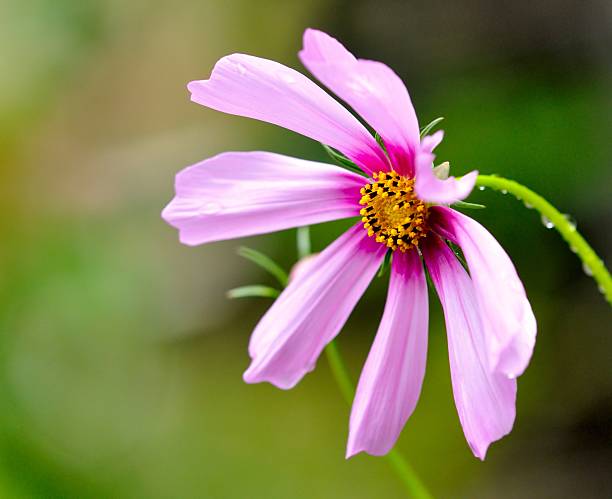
column 391, row 380
column 237, row 194
column 268, row 91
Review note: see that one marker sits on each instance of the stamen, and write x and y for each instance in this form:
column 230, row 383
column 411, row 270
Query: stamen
column 391, row 212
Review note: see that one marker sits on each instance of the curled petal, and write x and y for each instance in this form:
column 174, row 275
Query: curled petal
column 239, row 194
column 310, row 312
column 506, row 313
column 268, row 91
column 432, row 189
column 485, row 400
column 391, row 379
column 370, row 88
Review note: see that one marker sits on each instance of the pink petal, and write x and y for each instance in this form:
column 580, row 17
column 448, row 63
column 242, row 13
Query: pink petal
column 313, row 308
column 506, row 313
column 391, row 379
column 429, row 187
column 238, row 194
column 303, row 266
column 370, row 88
column 268, row 91
column 485, row 400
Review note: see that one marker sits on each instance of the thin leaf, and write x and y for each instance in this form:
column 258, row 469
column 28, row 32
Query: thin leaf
column 427, row 128
column 343, row 161
column 459, row 254
column 430, row 283
column 384, row 267
column 303, row 242
column 266, row 263
column 380, row 141
column 468, row 206
column 253, row 291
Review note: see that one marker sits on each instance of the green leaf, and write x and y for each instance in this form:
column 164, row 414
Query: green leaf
column 266, row 263
column 468, row 206
column 343, row 161
column 459, row 254
column 380, row 141
column 427, row 128
column 384, row 267
column 253, row 291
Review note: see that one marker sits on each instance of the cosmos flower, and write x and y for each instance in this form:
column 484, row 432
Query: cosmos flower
column 403, row 208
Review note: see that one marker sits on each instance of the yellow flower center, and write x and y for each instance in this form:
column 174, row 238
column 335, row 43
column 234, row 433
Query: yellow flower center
column 392, row 213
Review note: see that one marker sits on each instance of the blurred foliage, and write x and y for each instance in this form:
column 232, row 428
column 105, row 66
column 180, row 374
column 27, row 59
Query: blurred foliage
column 121, row 358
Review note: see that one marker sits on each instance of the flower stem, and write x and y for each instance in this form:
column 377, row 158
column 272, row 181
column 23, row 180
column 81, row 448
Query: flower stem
column 400, row 465
column 592, row 264
column 339, row 372
column 303, row 242
column 402, row 468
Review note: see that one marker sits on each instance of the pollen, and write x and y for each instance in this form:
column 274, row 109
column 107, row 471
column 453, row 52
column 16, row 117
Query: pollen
column 391, row 213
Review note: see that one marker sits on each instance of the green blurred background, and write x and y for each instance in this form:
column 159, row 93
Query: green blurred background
column 121, row 358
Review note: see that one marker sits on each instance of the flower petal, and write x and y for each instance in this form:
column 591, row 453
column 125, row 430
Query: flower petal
column 268, row 91
column 506, row 313
column 432, row 189
column 391, row 379
column 313, row 308
column 370, row 88
column 485, row 400
column 238, row 194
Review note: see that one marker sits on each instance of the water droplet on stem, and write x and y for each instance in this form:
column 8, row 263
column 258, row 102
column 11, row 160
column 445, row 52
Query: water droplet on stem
column 546, row 222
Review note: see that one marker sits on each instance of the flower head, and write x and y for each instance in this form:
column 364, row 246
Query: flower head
column 402, row 205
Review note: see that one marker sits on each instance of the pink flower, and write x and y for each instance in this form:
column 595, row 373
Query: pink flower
column 490, row 324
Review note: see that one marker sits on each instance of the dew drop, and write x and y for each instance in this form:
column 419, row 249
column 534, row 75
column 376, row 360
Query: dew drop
column 241, row 69
column 361, row 86
column 209, row 208
column 287, row 77
column 573, row 249
column 571, row 221
column 587, row 270
column 546, row 222
column 504, row 191
column 527, row 205
column 601, row 289
column 481, row 188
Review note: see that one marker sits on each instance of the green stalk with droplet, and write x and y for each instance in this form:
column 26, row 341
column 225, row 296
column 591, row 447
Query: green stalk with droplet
column 551, row 217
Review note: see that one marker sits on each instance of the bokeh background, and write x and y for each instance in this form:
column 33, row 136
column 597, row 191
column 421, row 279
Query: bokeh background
column 120, row 356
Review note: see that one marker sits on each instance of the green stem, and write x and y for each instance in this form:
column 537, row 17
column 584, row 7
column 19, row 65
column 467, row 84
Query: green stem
column 592, row 264
column 402, row 468
column 303, row 242
column 339, row 372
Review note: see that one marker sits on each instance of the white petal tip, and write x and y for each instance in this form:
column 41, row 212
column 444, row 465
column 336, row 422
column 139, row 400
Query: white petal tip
column 192, row 86
column 252, row 378
column 433, row 190
column 354, row 448
column 480, row 452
